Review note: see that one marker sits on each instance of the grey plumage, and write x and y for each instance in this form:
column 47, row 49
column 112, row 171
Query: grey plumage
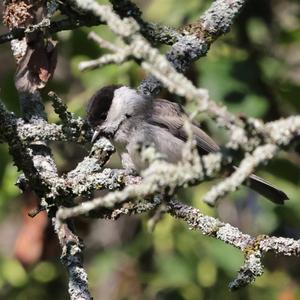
column 131, row 119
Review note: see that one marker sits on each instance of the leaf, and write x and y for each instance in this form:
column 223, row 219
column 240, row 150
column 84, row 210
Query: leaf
column 37, row 65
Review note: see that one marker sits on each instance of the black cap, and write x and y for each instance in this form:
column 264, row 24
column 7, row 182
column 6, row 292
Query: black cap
column 100, row 103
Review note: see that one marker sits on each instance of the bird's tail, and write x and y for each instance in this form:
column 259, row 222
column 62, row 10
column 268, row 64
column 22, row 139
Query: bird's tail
column 266, row 189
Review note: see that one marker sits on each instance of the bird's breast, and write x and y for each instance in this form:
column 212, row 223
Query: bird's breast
column 122, row 137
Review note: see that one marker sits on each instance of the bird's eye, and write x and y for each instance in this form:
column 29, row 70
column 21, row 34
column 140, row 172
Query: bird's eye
column 128, row 116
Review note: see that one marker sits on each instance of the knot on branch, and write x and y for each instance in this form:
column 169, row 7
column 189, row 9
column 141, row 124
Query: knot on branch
column 18, row 13
column 251, row 269
column 199, row 31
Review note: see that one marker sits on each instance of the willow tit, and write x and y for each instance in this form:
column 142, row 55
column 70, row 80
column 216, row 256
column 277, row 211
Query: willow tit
column 130, row 119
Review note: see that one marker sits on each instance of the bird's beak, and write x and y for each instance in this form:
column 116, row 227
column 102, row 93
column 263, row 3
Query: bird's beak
column 106, row 130
column 95, row 135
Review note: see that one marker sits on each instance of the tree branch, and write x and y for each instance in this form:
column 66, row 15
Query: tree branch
column 26, row 137
column 72, row 258
column 253, row 248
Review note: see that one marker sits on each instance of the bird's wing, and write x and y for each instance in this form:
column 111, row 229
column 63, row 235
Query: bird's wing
column 171, row 116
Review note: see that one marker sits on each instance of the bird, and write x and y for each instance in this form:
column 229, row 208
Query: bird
column 129, row 118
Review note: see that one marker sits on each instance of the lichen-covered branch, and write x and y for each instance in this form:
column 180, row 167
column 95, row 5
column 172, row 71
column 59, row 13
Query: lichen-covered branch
column 155, row 33
column 28, row 159
column 216, row 21
column 40, row 130
column 35, row 158
column 279, row 133
column 163, row 179
column 260, row 155
column 152, row 61
column 27, row 137
column 52, row 27
column 197, row 39
column 161, row 175
column 72, row 258
column 253, row 248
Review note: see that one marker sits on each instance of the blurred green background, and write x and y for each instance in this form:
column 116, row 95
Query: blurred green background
column 255, row 69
